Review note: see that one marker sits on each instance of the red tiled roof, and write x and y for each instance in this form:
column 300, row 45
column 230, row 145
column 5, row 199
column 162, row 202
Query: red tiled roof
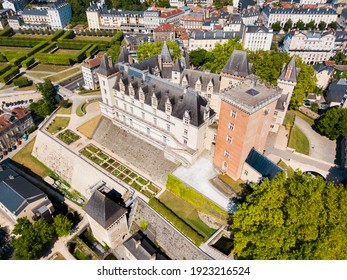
column 5, row 119
column 193, row 18
column 90, row 63
column 165, row 27
column 329, row 62
column 171, row 13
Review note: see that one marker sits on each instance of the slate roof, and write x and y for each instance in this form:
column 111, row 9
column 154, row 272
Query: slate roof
column 256, row 29
column 103, row 209
column 336, row 91
column 123, row 55
column 262, row 164
column 17, row 193
column 268, row 10
column 106, row 67
column 219, row 34
column 290, row 72
column 145, row 250
column 238, row 64
column 193, row 75
column 177, row 66
column 181, row 100
column 280, row 105
column 165, row 53
column 5, row 172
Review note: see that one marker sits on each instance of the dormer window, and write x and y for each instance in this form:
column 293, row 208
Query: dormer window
column 186, row 117
column 121, row 86
column 168, row 107
column 141, row 95
column 154, row 101
column 184, row 81
column 210, row 87
column 198, row 85
column 131, row 91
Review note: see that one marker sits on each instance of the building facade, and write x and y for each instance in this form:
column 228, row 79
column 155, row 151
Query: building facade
column 164, row 32
column 309, row 46
column 257, row 38
column 13, row 125
column 244, row 123
column 306, row 15
column 89, row 67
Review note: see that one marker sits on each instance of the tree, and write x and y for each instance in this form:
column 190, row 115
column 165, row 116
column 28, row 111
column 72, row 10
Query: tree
column 31, row 239
column 40, row 108
column 114, row 51
column 333, row 123
column 220, row 54
column 314, row 107
column 47, row 90
column 339, row 57
column 333, row 25
column 322, row 25
column 198, row 57
column 296, row 218
column 288, row 25
column 163, row 4
column 149, row 49
column 63, row 225
column 300, row 25
column 276, row 26
column 64, row 103
column 311, row 25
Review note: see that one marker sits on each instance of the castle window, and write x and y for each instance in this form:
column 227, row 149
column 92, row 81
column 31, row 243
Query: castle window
column 154, row 101
column 168, row 127
column 229, row 139
column 168, row 107
column 155, row 121
column 226, row 154
column 233, row 114
column 231, row 126
column 185, row 132
column 143, row 115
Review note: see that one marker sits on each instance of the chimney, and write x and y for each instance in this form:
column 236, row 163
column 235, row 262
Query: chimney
column 137, row 243
column 10, row 177
column 144, row 75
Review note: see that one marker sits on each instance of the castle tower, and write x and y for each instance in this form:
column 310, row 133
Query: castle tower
column 287, row 82
column 235, row 70
column 245, row 117
column 107, row 219
column 166, row 62
column 176, row 72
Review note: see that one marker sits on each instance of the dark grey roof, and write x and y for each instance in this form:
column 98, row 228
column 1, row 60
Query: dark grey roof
column 103, row 209
column 143, row 249
column 243, row 4
column 34, row 12
column 251, row 95
column 290, row 72
column 219, row 34
column 17, row 193
column 177, row 66
column 194, row 75
column 165, row 53
column 106, row 67
column 262, row 164
column 149, row 64
column 336, row 91
column 123, row 55
column 256, row 29
column 304, row 11
column 5, row 172
column 281, row 102
column 181, row 100
column 238, row 64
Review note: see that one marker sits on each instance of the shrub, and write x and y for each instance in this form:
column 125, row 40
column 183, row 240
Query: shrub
column 32, row 129
column 17, row 61
column 37, row 48
column 5, row 68
column 92, row 50
column 64, row 103
column 19, row 42
column 3, row 58
column 184, row 228
column 9, row 75
column 21, row 82
column 56, row 35
column 28, row 62
column 6, row 32
column 67, row 35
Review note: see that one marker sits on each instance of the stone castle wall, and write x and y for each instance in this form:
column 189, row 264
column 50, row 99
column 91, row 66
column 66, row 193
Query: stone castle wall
column 71, row 167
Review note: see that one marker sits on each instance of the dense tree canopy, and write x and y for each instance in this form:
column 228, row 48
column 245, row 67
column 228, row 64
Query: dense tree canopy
column 218, row 57
column 296, row 218
column 300, row 25
column 322, row 25
column 44, row 106
column 149, row 49
column 62, row 225
column 276, row 26
column 198, row 57
column 333, row 123
column 288, row 25
column 31, row 239
column 79, row 8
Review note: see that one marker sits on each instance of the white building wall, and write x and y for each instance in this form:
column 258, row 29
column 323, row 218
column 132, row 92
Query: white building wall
column 258, row 41
column 93, row 20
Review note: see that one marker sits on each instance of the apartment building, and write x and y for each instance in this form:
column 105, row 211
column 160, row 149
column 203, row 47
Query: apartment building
column 257, row 38
column 193, row 21
column 89, row 67
column 312, row 47
column 282, row 15
column 15, row 5
column 171, row 16
column 164, row 32
column 250, row 16
column 208, row 40
column 245, row 118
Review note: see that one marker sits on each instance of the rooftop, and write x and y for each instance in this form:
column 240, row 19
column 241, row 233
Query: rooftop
column 93, row 62
column 238, row 64
column 251, row 95
column 9, row 118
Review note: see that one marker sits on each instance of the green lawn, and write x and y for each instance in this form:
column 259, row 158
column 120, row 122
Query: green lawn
column 289, row 118
column 58, row 124
column 49, row 68
column 25, row 158
column 31, row 87
column 65, row 111
column 290, row 171
column 299, row 141
column 64, row 75
column 37, row 75
column 81, row 109
column 302, row 116
column 186, row 212
column 93, row 38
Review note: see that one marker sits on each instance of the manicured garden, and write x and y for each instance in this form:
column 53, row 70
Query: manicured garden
column 120, row 171
column 64, row 75
column 81, row 109
column 68, row 137
column 299, row 141
column 58, row 124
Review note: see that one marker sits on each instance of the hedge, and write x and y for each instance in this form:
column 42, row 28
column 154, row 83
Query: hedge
column 28, row 62
column 82, row 53
column 93, row 49
column 37, row 48
column 3, row 58
column 119, row 36
column 67, row 35
column 12, row 54
column 7, row 31
column 71, row 44
column 17, row 61
column 9, row 75
column 21, row 82
column 190, row 195
column 5, row 68
column 49, row 48
column 57, row 59
column 178, row 223
column 19, row 42
column 56, row 35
